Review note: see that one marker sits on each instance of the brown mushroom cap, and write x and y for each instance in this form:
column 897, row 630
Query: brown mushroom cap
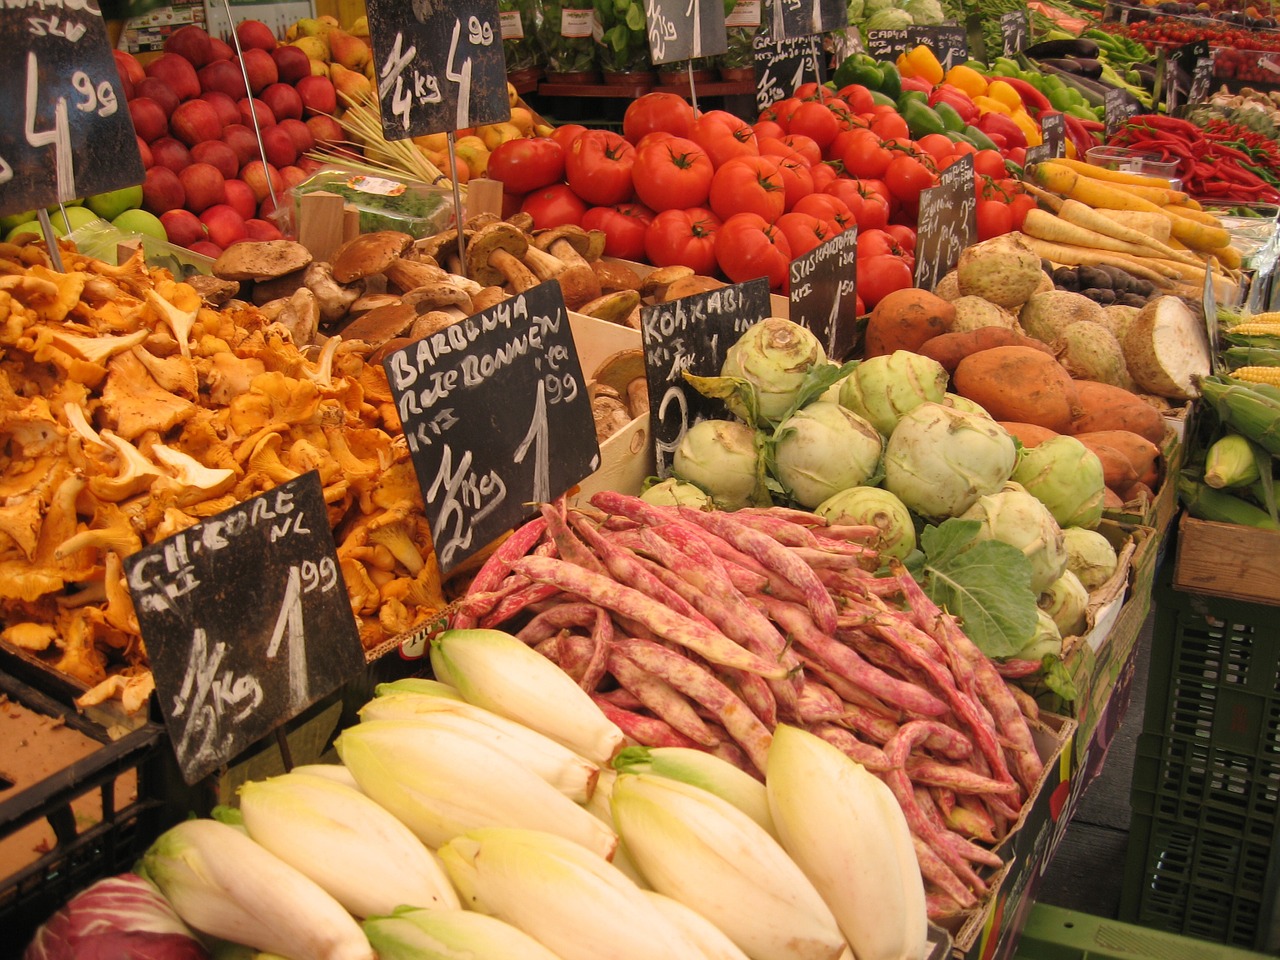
column 264, row 291
column 439, row 293
column 619, row 369
column 260, row 259
column 379, row 325
column 656, row 281
column 214, row 291
column 368, row 254
column 573, row 235
column 440, row 245
column 407, row 274
column 521, row 221
column 688, row 286
column 496, row 236
column 614, row 275
column 489, row 296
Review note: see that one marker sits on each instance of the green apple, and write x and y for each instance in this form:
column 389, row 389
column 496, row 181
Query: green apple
column 13, row 219
column 29, row 226
column 76, row 217
column 140, row 221
column 115, row 202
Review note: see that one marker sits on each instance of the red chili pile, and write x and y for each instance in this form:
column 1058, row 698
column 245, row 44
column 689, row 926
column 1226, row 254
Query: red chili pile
column 1217, row 163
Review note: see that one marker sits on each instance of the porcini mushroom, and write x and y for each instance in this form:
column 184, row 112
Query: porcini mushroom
column 493, row 256
column 367, row 254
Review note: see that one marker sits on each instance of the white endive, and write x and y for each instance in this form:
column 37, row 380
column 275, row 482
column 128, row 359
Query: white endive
column 334, row 772
column 701, row 769
column 845, row 829
column 572, row 775
column 224, row 885
column 363, row 856
column 441, row 783
column 496, row 671
column 703, row 851
column 424, row 686
column 414, row 934
column 709, row 938
column 572, row 902
column 600, row 805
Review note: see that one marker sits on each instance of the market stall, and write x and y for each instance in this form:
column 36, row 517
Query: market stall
column 721, row 532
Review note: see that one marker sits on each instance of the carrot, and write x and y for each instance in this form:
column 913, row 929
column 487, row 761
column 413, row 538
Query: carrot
column 1076, row 255
column 1075, row 212
column 950, row 348
column 1062, row 179
column 1112, row 176
column 1070, row 229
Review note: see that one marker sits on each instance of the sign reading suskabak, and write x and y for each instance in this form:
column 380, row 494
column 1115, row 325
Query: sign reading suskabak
column 949, row 43
column 439, row 67
column 692, row 334
column 685, row 29
column 823, row 293
column 497, row 418
column 247, row 622
column 783, row 65
column 802, row 18
column 65, row 131
column 946, row 222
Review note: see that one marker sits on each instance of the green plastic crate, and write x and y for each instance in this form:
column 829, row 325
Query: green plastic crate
column 1052, row 933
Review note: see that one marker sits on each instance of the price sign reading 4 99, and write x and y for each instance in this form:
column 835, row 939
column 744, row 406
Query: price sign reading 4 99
column 440, row 67
column 65, row 131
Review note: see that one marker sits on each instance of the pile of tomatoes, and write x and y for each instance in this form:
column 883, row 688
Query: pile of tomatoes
column 741, row 200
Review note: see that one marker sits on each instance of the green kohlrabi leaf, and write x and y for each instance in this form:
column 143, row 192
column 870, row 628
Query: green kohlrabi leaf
column 724, row 388
column 1058, row 679
column 986, row 584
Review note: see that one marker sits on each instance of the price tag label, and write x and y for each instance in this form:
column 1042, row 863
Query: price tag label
column 946, row 223
column 1054, row 130
column 1013, row 32
column 783, row 65
column 949, row 42
column 1202, row 78
column 693, row 334
column 497, row 417
column 1188, row 75
column 823, row 293
column 440, row 67
column 65, row 131
column 802, row 18
column 685, row 29
column 247, row 622
column 1119, row 105
column 888, row 44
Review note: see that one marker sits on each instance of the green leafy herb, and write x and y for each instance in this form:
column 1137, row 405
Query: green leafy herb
column 985, row 583
column 1058, row 679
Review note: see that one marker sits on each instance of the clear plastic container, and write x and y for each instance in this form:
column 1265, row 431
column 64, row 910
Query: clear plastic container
column 418, row 209
column 1134, row 161
column 1253, row 229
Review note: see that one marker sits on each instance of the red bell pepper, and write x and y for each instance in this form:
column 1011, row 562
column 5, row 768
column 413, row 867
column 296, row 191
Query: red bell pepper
column 993, row 123
column 916, row 83
column 957, row 99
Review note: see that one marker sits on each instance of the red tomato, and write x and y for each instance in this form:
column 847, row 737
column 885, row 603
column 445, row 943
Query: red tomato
column 988, row 163
column 889, row 124
column 824, row 206
column 778, row 148
column 598, row 167
column 554, row 206
column 1016, row 155
column 994, row 218
column 877, row 243
column 749, row 246
column 937, row 146
column 823, row 174
column 672, row 174
column 857, row 97
column 880, row 275
column 797, row 181
column 683, row 237
column 527, row 163
column 724, row 136
column 566, row 134
column 906, row 177
column 657, row 111
column 804, row 145
column 1019, row 207
column 624, row 226
column 836, row 148
column 814, row 91
column 768, row 129
column 804, row 231
column 812, row 119
column 870, row 207
column 906, row 238
column 866, row 156
column 657, row 136
column 748, row 185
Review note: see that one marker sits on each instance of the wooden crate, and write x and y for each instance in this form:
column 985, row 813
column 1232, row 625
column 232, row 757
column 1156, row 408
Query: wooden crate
column 1227, row 560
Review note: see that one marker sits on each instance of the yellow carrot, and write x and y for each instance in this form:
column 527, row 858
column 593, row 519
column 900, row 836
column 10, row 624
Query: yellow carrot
column 1053, row 169
column 1085, row 216
column 1113, row 176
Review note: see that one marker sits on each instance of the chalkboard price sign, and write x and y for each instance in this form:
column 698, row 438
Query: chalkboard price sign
column 685, row 29
column 1054, row 144
column 1188, row 74
column 496, row 413
column 950, row 44
column 802, row 18
column 247, row 622
column 693, row 334
column 440, row 67
column 783, row 65
column 1119, row 105
column 65, row 131
column 823, row 293
column 946, row 223
column 1013, row 32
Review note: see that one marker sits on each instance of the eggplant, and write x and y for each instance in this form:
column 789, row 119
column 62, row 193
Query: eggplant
column 1078, row 66
column 1078, row 47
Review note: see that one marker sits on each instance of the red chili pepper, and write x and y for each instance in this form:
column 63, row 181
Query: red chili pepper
column 1032, row 99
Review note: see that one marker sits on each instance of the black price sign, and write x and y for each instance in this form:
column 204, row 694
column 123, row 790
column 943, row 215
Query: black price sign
column 1054, row 145
column 440, row 67
column 1119, row 105
column 693, row 334
column 497, row 417
column 1188, row 75
column 946, row 222
column 950, row 44
column 247, row 622
column 888, row 44
column 824, row 291
column 783, row 65
column 685, row 29
column 65, row 131
column 1013, row 32
column 802, row 18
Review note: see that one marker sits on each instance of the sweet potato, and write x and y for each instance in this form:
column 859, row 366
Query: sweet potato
column 1106, row 407
column 1111, row 500
column 1141, row 453
column 1117, row 471
column 1021, row 384
column 1028, row 434
column 906, row 320
column 1138, row 494
column 950, row 348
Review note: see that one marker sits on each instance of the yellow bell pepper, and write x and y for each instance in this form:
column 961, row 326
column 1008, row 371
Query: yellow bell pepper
column 999, row 90
column 986, row 104
column 1030, row 129
column 905, row 69
column 967, row 79
column 924, row 64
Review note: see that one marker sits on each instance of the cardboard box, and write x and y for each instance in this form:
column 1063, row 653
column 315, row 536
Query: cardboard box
column 1159, row 513
column 1227, row 560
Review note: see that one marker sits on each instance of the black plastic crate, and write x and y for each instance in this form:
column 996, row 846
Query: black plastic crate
column 109, row 846
column 1052, row 933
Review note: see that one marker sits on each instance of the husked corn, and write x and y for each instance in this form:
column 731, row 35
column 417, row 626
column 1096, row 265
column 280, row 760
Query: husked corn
column 1269, row 375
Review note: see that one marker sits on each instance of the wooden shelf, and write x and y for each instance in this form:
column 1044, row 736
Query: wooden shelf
column 633, row 91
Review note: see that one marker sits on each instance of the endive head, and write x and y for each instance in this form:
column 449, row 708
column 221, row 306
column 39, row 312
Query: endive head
column 412, row 933
column 703, row 770
column 420, row 685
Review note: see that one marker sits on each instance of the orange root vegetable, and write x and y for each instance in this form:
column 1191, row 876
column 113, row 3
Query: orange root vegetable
column 1111, row 500
column 950, row 348
column 1106, row 407
column 1138, row 450
column 1113, row 176
column 1022, row 384
column 906, row 320
column 1117, row 471
column 1028, row 434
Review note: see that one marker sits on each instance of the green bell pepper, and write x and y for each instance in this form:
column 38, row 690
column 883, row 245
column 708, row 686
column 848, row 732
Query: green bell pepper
column 921, row 118
column 980, row 139
column 890, row 82
column 860, row 69
column 880, row 99
column 952, row 122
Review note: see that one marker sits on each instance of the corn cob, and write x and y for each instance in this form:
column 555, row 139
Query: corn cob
column 1258, row 374
column 1229, row 462
column 1237, row 357
column 1247, row 408
column 1269, row 341
column 1206, row 503
column 1255, row 328
column 1272, row 316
